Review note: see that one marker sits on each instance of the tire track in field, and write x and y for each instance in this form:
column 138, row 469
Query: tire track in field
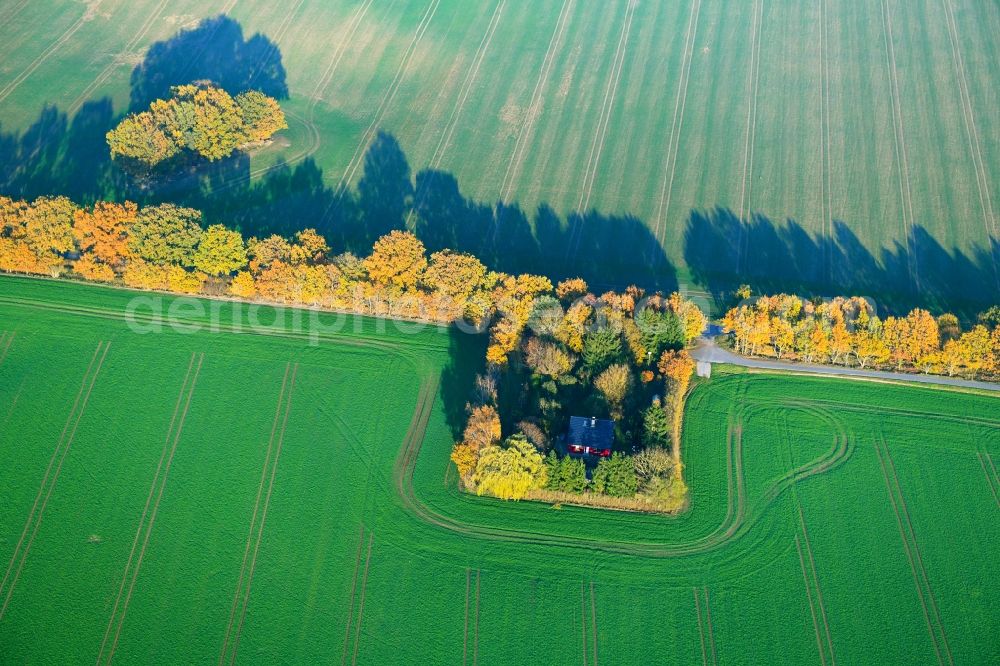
column 390, row 94
column 13, row 404
column 701, row 626
column 738, row 522
column 149, row 500
column 349, row 339
column 895, row 411
column 13, row 11
column 475, row 619
column 753, row 85
column 676, row 126
column 6, row 340
column 357, row 159
column 475, row 640
column 533, row 111
column 106, row 72
column 467, row 85
column 583, row 621
column 361, row 603
column 88, row 15
column 916, row 550
column 989, row 478
column 51, row 476
column 338, row 53
column 603, row 122
column 152, row 516
column 286, row 22
column 879, row 445
column 708, row 624
column 818, row 589
column 731, row 526
column 354, row 589
column 902, row 157
column 826, row 143
column 464, row 91
column 989, row 459
column 263, row 517
column 992, row 478
column 256, row 508
column 593, row 619
column 972, row 132
column 809, row 598
column 607, row 106
column 465, row 630
column 324, row 81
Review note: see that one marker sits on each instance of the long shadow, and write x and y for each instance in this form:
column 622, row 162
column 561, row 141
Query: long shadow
column 609, row 251
column 722, row 252
column 69, row 156
column 466, row 358
column 214, row 50
column 57, row 156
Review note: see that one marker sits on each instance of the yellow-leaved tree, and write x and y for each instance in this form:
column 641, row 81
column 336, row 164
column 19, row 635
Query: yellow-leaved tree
column 397, row 261
column 220, row 251
column 614, row 384
column 509, row 471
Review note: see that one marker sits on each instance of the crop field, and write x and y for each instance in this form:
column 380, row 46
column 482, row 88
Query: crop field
column 858, row 141
column 283, row 493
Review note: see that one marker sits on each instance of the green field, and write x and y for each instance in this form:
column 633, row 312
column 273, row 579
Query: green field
column 860, row 137
column 188, row 497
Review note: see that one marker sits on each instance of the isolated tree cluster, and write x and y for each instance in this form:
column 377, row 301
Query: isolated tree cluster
column 202, row 120
column 616, row 355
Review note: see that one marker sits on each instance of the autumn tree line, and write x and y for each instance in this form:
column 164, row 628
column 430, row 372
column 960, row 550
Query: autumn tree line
column 847, row 331
column 620, row 356
column 166, row 247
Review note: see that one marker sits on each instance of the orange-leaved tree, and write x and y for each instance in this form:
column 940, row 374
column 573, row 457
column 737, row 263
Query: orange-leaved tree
column 677, row 367
column 397, row 261
column 102, row 233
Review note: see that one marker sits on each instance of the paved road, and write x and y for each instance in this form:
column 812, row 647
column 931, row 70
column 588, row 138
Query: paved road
column 708, row 350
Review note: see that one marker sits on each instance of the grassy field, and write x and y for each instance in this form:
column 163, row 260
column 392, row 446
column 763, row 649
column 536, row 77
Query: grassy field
column 871, row 124
column 187, row 497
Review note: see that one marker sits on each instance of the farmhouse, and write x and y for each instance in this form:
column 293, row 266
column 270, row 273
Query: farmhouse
column 590, row 436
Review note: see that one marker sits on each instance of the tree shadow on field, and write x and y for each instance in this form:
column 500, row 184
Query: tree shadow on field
column 609, row 251
column 723, row 251
column 466, row 358
column 57, row 156
column 215, row 51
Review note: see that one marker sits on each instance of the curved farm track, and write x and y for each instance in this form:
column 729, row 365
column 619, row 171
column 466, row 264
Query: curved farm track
column 741, row 514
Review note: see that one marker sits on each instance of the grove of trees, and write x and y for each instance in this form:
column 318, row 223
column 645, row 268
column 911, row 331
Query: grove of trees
column 618, row 355
column 202, row 120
